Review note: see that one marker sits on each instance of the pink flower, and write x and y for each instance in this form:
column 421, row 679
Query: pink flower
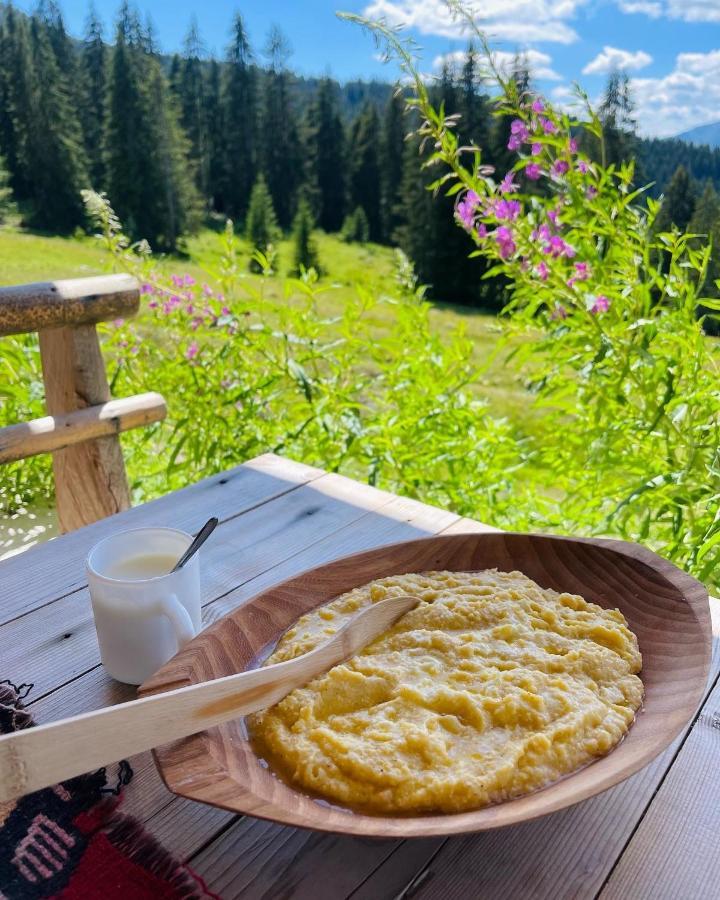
column 542, row 270
column 538, row 106
column 560, row 167
column 507, row 209
column 507, row 185
column 506, row 244
column 583, row 167
column 466, row 208
column 518, row 134
column 188, row 281
column 536, row 149
column 547, row 126
column 601, row 304
column 207, row 290
column 118, row 322
column 591, row 192
column 553, row 214
column 147, row 289
column 482, row 230
column 573, row 145
column 556, row 247
column 225, row 311
column 153, row 304
column 559, row 312
column 533, row 171
column 583, row 271
column 177, row 280
column 192, row 350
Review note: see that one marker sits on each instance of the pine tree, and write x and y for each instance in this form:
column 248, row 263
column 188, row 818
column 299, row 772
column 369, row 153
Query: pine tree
column 475, row 119
column 239, row 106
column 16, row 74
column 355, row 228
column 215, row 136
column 617, row 114
column 365, row 179
column 146, row 154
column 305, row 255
column 430, row 236
column 7, row 206
column 281, row 158
column 193, row 106
column 93, row 67
column 393, row 149
column 53, row 156
column 678, row 203
column 325, row 151
column 261, row 227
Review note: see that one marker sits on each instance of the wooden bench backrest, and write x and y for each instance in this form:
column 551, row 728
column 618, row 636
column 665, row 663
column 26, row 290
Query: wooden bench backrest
column 83, row 423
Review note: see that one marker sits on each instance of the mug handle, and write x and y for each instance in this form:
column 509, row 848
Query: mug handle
column 179, row 618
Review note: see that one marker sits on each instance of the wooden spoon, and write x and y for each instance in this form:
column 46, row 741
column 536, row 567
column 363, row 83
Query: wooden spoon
column 46, row 754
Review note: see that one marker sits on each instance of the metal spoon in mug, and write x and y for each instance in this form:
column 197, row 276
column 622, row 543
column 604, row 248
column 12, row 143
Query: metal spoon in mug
column 200, row 539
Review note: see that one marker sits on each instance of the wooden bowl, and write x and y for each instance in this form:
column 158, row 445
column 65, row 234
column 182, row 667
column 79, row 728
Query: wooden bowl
column 667, row 609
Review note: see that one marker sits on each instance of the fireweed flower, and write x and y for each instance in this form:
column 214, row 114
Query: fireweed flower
column 559, row 312
column 506, row 244
column 518, row 134
column 192, row 350
column 557, row 247
column 507, row 185
column 542, row 270
column 536, row 149
column 533, row 171
column 482, row 230
column 507, row 210
column 547, row 126
column 465, row 210
column 538, row 106
column 553, row 214
column 147, row 289
column 572, row 145
column 560, row 167
column 582, row 273
column 601, row 304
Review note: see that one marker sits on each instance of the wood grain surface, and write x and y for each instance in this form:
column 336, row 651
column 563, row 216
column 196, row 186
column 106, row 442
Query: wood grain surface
column 666, row 608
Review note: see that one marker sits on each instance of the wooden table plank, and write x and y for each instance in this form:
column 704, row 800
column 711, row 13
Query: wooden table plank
column 675, row 852
column 56, row 568
column 565, row 855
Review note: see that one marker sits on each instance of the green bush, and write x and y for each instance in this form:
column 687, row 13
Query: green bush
column 356, row 228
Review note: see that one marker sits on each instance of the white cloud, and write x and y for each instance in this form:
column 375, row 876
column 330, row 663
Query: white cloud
column 613, row 58
column 512, row 20
column 649, row 7
column 687, row 10
column 688, row 95
column 540, row 64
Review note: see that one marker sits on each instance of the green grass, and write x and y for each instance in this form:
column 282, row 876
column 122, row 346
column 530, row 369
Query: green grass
column 26, row 257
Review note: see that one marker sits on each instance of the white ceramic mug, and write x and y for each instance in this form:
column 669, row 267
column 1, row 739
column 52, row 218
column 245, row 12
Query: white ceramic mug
column 141, row 623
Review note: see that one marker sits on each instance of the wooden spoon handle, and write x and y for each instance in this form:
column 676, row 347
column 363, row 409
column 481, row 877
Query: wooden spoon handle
column 47, row 754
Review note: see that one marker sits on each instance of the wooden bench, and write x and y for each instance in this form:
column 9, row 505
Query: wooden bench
column 83, row 423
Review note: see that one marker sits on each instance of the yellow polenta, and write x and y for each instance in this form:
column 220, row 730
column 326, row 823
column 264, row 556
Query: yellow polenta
column 491, row 688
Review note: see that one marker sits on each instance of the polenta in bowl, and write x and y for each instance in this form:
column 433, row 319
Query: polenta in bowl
column 491, row 688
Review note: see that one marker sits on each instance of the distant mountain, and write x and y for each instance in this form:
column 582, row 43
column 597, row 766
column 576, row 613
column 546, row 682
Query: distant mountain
column 703, row 134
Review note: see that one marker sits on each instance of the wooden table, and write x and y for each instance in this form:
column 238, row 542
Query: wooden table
column 655, row 836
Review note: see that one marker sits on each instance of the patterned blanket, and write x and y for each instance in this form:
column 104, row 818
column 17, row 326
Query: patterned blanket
column 70, row 842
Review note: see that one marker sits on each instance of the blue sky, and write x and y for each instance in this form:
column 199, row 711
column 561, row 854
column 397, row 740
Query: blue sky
column 671, row 48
